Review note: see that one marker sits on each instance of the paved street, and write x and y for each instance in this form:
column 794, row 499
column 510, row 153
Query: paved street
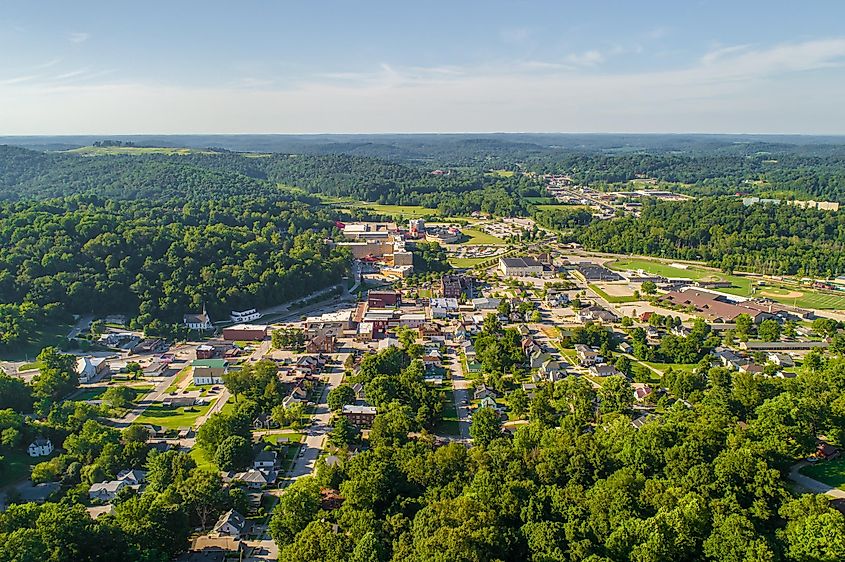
column 461, row 393
column 316, row 434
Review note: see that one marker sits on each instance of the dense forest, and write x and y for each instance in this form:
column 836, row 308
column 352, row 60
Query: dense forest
column 774, row 239
column 704, row 481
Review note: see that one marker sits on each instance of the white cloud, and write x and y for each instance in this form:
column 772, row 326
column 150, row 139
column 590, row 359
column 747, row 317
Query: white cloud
column 78, row 37
column 587, row 58
column 748, row 89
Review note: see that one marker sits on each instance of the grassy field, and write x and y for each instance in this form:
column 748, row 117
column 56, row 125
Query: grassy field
column 183, row 374
column 292, row 436
column 831, row 473
column 742, row 286
column 203, row 461
column 477, row 237
column 45, row 336
column 466, row 262
column 172, row 418
column 135, row 150
column 611, row 298
column 449, row 425
column 500, row 173
column 16, row 466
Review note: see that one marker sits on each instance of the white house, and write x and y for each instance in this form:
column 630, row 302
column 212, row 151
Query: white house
column 41, row 447
column 230, row 524
column 209, row 371
column 199, row 322
column 265, row 459
column 245, row 315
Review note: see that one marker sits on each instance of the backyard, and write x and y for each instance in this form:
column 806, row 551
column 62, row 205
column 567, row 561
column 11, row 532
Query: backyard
column 830, row 472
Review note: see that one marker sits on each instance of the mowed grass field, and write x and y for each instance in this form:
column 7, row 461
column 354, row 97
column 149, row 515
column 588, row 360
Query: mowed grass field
column 831, row 473
column 466, row 263
column 476, row 237
column 742, row 286
column 172, row 418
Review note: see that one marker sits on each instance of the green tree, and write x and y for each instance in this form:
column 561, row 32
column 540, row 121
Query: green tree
column 486, row 425
column 340, row 396
column 233, row 453
column 296, row 508
column 769, row 330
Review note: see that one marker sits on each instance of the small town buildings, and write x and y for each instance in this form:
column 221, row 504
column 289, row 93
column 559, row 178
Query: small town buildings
column 244, row 316
column 451, row 286
column 263, row 421
column 551, row 371
column 358, row 389
column 485, row 304
column 587, row 356
column 107, row 491
column 603, row 370
column 383, row 299
column 596, row 314
column 322, row 343
column 361, row 416
column 489, row 402
column 209, row 548
column 331, row 322
column 520, row 267
column 245, row 332
column 556, row 298
column 432, row 332
column 205, row 351
column 257, row 478
column 443, row 307
column 826, row 451
column 209, row 371
column 200, row 322
column 483, row 392
column 265, row 460
column 179, row 401
column 149, row 345
column 92, row 369
column 41, row 447
column 781, row 359
column 642, row 392
column 716, row 307
column 231, row 524
column 412, row 320
column 592, row 272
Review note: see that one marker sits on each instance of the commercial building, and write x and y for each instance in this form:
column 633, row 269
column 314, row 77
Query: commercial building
column 520, row 267
column 209, row 371
column 245, row 332
column 362, row 416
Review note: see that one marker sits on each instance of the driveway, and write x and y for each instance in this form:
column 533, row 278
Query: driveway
column 813, row 485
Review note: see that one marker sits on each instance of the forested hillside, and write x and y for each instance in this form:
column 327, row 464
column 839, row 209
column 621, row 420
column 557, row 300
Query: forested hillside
column 776, row 239
column 156, row 260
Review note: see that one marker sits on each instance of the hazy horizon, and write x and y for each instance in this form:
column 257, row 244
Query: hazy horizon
column 714, row 67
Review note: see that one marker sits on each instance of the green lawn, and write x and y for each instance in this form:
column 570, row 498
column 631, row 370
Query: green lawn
column 172, row 418
column 16, row 466
column 500, row 173
column 477, row 237
column 292, row 436
column 742, row 286
column 449, row 425
column 831, row 473
column 179, row 378
column 466, row 263
column 203, row 461
column 51, row 334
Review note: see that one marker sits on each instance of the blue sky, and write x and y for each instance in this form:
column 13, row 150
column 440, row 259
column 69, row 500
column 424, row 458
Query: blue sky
column 331, row 66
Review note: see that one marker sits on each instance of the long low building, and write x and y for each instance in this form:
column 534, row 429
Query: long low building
column 245, row 332
column 717, row 308
column 520, row 267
